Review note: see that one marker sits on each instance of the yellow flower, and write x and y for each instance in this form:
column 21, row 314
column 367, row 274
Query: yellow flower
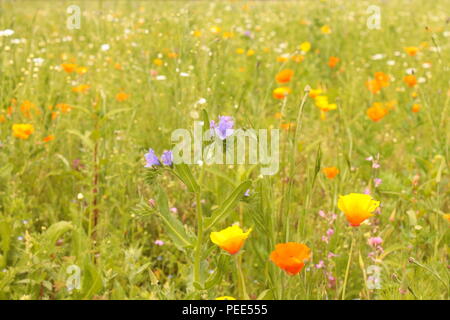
column 158, row 62
column 225, row 298
column 305, row 46
column 197, row 33
column 281, row 92
column 447, row 217
column 411, row 51
column 250, row 52
column 230, row 239
column 240, row 51
column 22, row 130
column 215, row 30
column 357, row 207
column 325, row 29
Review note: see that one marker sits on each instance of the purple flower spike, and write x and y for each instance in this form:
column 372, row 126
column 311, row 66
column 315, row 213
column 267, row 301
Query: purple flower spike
column 152, row 159
column 225, row 127
column 167, row 158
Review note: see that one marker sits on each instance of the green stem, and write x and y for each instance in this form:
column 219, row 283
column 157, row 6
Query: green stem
column 241, row 281
column 198, row 249
column 348, row 266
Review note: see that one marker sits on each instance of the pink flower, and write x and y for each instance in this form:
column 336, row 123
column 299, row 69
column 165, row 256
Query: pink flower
column 159, row 242
column 377, row 182
column 174, row 210
column 320, row 265
column 325, row 239
column 330, row 232
column 322, row 214
column 375, row 241
column 331, row 255
column 152, row 203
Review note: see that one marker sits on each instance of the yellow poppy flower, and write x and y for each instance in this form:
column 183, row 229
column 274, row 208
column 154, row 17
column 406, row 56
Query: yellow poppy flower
column 357, row 207
column 230, row 239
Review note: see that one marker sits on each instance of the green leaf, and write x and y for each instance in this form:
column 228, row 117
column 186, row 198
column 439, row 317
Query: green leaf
column 183, row 172
column 221, row 212
column 92, row 281
column 173, row 226
column 55, row 231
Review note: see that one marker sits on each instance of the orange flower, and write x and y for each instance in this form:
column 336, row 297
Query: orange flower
column 357, row 207
column 288, row 125
column 331, row 172
column 333, row 61
column 2, row 118
column 22, row 130
column 416, row 107
column 410, row 80
column 411, row 51
column 69, row 67
column 373, row 86
column 382, row 79
column 377, row 112
column 64, row 107
column 49, row 138
column 290, row 256
column 278, row 115
column 281, row 92
column 122, row 96
column 284, row 76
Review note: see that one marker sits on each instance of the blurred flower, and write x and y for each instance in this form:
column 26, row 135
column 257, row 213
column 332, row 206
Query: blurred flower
column 333, row 61
column 375, row 241
column 105, row 47
column 284, row 76
column 122, row 96
column 157, row 62
column 151, row 159
column 357, row 207
column 225, row 127
column 313, row 93
column 320, row 265
column 410, row 80
column 215, row 30
column 281, row 92
column 331, row 172
column 82, row 88
column 69, row 67
column 81, row 70
column 411, row 51
column 376, row 112
column 305, row 46
column 290, row 256
column 230, row 239
column 416, row 107
column 49, row 138
column 447, row 217
column 159, row 242
column 325, row 29
column 167, row 158
column 377, row 182
column 22, row 130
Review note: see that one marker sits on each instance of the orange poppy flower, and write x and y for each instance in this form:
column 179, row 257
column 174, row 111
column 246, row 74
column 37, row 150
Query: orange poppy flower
column 2, row 118
column 122, row 96
column 49, row 138
column 281, row 92
column 416, row 107
column 291, row 256
column 373, row 86
column 330, row 172
column 69, row 67
column 382, row 79
column 64, row 107
column 377, row 112
column 410, row 80
column 333, row 61
column 284, row 76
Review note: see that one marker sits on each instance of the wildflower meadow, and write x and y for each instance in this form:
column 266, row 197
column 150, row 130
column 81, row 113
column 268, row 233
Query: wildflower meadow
column 224, row 150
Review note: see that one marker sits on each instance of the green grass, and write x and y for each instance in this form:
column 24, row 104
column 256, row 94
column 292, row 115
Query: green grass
column 47, row 226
